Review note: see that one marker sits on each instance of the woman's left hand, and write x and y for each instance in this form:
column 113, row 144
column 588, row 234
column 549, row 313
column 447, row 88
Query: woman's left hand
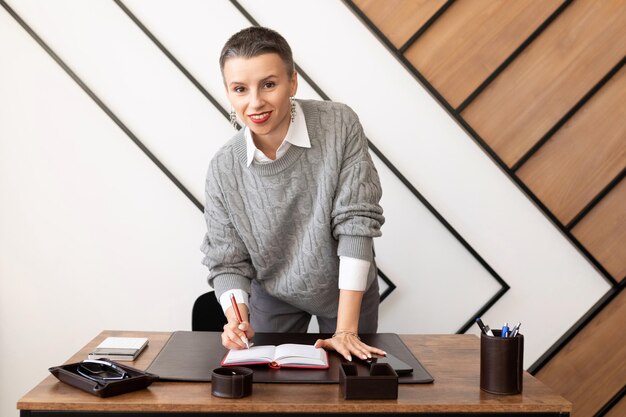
column 348, row 344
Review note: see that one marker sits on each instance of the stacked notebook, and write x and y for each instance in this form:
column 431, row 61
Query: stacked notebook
column 119, row 348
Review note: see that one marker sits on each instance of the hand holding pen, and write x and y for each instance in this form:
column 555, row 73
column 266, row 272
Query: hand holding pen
column 237, row 331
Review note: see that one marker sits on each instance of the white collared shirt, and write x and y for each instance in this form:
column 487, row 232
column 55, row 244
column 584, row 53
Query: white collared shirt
column 352, row 271
column 297, row 135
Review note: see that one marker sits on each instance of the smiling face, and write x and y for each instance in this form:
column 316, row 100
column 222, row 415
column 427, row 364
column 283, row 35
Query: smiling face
column 259, row 89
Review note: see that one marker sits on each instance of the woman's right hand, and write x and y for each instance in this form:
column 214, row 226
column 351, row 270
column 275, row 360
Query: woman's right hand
column 235, row 334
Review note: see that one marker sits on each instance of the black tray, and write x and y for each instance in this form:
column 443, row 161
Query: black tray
column 379, row 383
column 138, row 380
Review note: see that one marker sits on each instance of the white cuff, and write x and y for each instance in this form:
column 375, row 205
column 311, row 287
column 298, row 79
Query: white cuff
column 240, row 295
column 353, row 273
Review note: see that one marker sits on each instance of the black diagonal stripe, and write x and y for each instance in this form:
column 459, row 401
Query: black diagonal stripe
column 611, row 402
column 577, row 327
column 101, row 104
column 425, row 26
column 172, row 58
column 568, row 115
column 607, row 189
column 544, row 25
column 390, row 286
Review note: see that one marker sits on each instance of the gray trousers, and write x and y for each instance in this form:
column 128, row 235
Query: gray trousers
column 271, row 315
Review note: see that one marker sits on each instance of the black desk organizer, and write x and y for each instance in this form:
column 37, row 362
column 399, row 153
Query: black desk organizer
column 138, row 380
column 380, row 383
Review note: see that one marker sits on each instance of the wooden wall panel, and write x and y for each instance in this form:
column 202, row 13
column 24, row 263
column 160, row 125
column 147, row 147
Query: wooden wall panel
column 580, row 47
column 591, row 369
column 583, row 156
column 399, row 19
column 472, row 38
column 603, row 232
column 553, row 73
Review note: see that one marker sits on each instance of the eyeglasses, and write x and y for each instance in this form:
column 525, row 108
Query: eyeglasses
column 99, row 371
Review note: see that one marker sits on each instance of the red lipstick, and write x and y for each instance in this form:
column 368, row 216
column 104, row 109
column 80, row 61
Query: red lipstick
column 260, row 120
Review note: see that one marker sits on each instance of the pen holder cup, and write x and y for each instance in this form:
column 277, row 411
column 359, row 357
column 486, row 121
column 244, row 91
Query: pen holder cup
column 231, row 382
column 501, row 363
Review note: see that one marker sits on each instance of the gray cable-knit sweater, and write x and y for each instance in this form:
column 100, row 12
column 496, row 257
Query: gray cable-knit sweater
column 287, row 222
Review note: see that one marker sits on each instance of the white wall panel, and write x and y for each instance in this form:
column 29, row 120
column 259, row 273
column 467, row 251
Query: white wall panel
column 93, row 236
column 136, row 81
column 415, row 251
column 441, row 161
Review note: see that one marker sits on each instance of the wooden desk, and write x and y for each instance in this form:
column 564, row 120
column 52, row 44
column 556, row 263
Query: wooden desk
column 453, row 360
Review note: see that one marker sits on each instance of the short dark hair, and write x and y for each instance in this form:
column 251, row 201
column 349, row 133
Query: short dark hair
column 255, row 41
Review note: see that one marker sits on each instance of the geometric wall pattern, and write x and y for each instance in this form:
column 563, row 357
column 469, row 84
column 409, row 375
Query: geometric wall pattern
column 542, row 90
column 452, row 248
column 470, row 222
column 409, row 124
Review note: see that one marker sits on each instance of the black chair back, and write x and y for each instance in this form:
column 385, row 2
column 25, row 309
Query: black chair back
column 207, row 314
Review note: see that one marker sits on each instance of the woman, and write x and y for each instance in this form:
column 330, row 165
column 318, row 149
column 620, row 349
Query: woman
column 291, row 206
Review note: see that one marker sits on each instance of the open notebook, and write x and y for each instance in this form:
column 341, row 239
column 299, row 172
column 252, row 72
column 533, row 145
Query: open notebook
column 289, row 355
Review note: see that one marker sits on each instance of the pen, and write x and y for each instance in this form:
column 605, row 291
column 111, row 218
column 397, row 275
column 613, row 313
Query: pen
column 483, row 328
column 505, row 330
column 515, row 330
column 239, row 319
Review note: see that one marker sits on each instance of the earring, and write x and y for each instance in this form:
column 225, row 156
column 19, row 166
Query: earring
column 293, row 108
column 233, row 119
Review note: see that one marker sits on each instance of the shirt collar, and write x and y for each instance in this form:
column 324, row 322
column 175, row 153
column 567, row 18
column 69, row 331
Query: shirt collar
column 297, row 135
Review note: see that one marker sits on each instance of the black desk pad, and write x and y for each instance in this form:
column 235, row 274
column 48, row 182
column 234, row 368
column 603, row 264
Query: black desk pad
column 191, row 356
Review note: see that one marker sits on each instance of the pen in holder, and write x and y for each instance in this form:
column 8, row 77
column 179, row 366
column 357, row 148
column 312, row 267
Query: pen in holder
column 501, row 363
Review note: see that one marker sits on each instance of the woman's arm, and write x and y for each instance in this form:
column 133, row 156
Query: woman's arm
column 228, row 260
column 356, row 219
column 346, row 340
